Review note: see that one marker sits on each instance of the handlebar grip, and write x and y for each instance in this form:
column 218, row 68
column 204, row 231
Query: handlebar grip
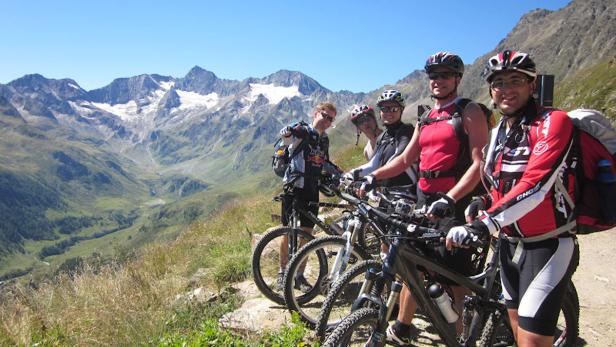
column 474, row 241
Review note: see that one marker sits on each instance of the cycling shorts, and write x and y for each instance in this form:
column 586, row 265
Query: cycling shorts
column 302, row 198
column 536, row 278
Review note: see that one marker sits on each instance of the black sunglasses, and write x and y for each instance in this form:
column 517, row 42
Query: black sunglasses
column 328, row 117
column 440, row 75
column 389, row 109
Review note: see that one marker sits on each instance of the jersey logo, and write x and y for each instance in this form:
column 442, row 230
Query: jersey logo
column 518, row 151
column 540, row 148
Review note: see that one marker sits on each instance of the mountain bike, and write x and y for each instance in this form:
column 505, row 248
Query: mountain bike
column 360, row 241
column 485, row 320
column 266, row 258
column 346, row 288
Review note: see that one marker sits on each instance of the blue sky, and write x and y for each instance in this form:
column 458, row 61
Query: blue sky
column 354, row 45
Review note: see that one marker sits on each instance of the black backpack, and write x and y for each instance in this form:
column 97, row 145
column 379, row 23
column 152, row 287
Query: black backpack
column 282, row 157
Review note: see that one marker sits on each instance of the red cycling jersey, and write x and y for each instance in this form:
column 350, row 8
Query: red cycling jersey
column 524, row 165
column 440, row 147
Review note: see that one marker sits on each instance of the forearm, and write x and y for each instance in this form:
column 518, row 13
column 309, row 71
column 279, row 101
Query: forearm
column 391, row 169
column 368, row 167
column 467, row 183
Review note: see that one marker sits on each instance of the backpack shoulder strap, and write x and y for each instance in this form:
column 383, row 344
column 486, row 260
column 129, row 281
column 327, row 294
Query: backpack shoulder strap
column 458, row 123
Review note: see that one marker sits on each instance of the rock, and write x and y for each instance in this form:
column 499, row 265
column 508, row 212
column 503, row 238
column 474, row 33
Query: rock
column 198, row 295
column 246, row 289
column 198, row 276
column 270, row 247
column 256, row 316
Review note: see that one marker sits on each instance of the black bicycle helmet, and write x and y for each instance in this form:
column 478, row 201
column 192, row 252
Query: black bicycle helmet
column 510, row 61
column 391, row 95
column 445, row 59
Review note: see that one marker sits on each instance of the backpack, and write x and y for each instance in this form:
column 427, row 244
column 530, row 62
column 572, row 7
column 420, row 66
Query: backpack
column 595, row 189
column 282, row 156
column 464, row 155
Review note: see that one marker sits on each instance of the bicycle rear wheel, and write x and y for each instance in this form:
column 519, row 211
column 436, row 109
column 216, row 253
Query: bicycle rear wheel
column 266, row 260
column 319, row 258
column 497, row 330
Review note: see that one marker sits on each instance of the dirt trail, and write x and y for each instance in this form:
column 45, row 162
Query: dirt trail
column 595, row 280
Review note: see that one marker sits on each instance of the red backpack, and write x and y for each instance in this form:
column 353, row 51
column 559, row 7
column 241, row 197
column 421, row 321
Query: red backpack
column 595, row 192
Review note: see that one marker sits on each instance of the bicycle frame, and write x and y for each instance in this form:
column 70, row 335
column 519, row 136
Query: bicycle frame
column 402, row 262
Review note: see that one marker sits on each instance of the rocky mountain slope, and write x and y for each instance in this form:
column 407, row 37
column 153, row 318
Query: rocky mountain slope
column 198, row 137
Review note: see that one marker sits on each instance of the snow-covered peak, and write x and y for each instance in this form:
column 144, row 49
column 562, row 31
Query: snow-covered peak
column 273, row 93
column 166, row 85
column 193, row 100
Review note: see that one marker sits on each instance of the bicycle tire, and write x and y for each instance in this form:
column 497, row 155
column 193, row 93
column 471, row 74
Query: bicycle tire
column 368, row 239
column 342, row 335
column 567, row 337
column 260, row 275
column 575, row 299
column 497, row 332
column 488, row 334
column 324, row 248
column 342, row 294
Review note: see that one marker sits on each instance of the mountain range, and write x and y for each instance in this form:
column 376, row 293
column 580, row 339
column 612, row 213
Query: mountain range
column 78, row 165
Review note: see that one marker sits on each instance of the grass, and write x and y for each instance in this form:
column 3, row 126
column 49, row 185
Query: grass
column 594, row 87
column 133, row 302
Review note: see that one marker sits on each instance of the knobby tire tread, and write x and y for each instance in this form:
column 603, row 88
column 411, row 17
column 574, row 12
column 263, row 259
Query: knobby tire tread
column 345, row 329
column 317, row 245
column 360, row 268
column 256, row 261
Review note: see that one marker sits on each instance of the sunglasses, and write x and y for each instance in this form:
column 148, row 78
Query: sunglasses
column 440, row 75
column 327, row 117
column 390, row 109
column 501, row 85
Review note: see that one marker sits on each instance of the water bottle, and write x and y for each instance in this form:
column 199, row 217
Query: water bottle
column 606, row 179
column 441, row 298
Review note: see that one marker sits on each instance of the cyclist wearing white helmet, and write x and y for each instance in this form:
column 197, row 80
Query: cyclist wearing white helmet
column 391, row 143
column 362, row 116
column 449, row 167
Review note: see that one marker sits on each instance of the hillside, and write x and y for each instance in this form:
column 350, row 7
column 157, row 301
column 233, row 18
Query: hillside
column 86, row 176
column 593, row 87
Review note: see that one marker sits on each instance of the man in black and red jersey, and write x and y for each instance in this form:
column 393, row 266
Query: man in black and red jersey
column 303, row 175
column 527, row 165
column 449, row 167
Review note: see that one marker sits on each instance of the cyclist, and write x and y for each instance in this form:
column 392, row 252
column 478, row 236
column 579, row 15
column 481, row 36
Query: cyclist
column 526, row 166
column 391, row 143
column 449, row 168
column 362, row 116
column 303, row 174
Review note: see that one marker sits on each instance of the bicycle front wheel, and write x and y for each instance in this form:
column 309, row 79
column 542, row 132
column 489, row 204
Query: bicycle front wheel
column 266, row 259
column 342, row 295
column 320, row 262
column 355, row 330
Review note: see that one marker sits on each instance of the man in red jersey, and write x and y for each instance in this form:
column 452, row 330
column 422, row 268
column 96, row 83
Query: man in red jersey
column 528, row 166
column 449, row 167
